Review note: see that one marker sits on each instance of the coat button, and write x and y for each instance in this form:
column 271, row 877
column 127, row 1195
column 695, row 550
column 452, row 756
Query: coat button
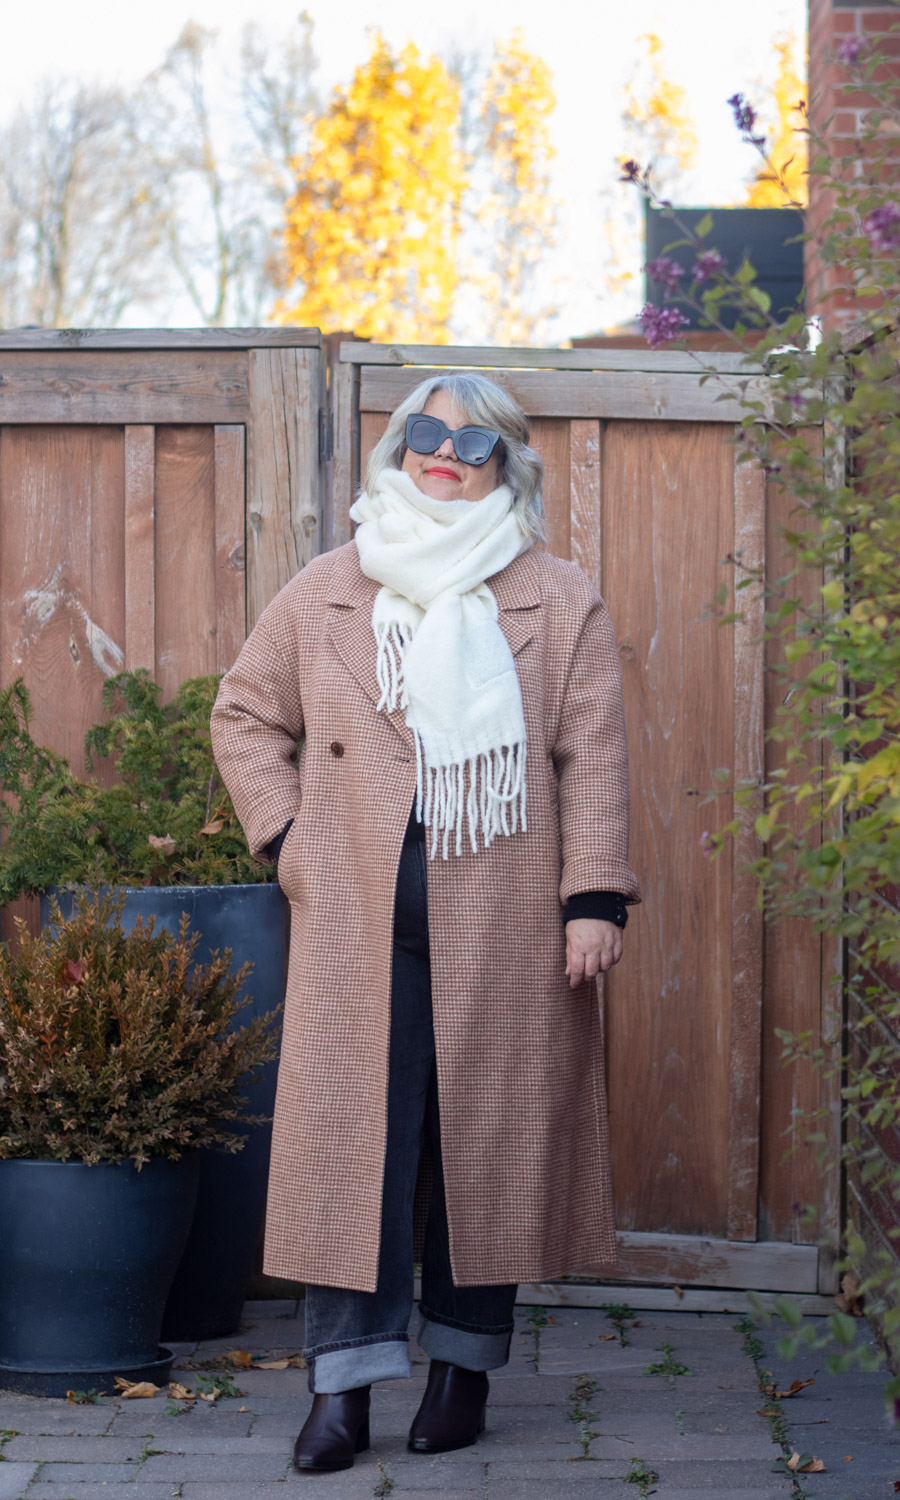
column 337, row 748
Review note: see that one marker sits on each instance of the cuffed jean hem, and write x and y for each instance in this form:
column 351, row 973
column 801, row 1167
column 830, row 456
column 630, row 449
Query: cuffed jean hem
column 359, row 1363
column 470, row 1349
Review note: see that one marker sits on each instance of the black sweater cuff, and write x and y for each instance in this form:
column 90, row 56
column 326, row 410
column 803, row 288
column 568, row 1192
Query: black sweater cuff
column 273, row 848
column 600, row 906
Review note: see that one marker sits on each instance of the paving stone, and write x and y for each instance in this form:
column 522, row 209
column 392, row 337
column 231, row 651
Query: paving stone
column 87, row 1473
column 14, row 1478
column 722, row 1476
column 84, row 1449
column 214, row 1442
column 27, row 1414
column 135, row 1419
column 135, row 1491
column 229, row 1467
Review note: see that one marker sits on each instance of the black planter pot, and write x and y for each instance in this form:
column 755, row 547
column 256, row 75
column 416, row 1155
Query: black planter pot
column 208, row 1291
column 87, row 1256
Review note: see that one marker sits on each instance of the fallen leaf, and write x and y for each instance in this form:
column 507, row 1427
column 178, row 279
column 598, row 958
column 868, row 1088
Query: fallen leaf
column 135, row 1389
column 243, row 1408
column 214, row 826
column 180, row 1392
column 604, row 1338
column 678, row 1292
column 848, row 1458
column 165, row 845
column 297, row 1361
column 804, row 1463
column 271, row 1364
column 793, row 1389
column 636, row 1323
column 848, row 1299
column 240, row 1357
column 82, row 1398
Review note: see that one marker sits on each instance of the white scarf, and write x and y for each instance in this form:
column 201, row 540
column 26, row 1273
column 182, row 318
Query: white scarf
column 441, row 653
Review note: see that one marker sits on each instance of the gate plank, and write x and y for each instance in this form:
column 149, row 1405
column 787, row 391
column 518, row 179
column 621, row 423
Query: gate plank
column 634, row 394
column 747, row 922
column 551, row 439
column 585, row 470
column 140, row 548
column 230, row 568
column 185, row 561
column 119, row 387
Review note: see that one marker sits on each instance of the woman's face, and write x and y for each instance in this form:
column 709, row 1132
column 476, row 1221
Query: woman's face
column 441, row 475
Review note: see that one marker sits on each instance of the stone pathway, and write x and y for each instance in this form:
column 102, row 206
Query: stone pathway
column 575, row 1413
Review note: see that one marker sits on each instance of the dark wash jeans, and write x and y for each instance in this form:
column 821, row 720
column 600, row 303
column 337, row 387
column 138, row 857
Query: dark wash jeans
column 353, row 1338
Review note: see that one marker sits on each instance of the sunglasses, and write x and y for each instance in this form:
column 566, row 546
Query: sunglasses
column 472, row 445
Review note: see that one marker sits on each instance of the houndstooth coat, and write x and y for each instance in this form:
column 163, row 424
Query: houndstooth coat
column 519, row 1054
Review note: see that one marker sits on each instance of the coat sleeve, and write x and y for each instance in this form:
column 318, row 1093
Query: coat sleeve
column 256, row 723
column 591, row 759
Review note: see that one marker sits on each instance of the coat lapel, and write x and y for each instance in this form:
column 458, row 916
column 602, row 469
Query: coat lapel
column 351, row 596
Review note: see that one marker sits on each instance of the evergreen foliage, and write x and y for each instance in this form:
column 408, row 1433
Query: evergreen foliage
column 168, row 819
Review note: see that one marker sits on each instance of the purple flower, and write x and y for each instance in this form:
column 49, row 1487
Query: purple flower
column 882, row 226
column 659, row 324
column 745, row 118
column 665, row 271
column 705, row 842
column 630, row 171
column 708, row 263
column 848, row 51
column 797, row 401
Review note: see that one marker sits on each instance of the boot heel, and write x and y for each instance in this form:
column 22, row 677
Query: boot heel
column 362, row 1437
column 481, row 1424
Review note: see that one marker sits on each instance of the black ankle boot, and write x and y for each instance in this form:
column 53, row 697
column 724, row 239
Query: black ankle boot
column 336, row 1430
column 452, row 1411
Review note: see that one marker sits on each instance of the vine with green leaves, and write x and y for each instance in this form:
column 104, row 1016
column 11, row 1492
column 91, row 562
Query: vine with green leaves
column 830, row 822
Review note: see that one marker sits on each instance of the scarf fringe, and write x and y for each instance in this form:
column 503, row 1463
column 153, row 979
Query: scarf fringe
column 392, row 642
column 486, row 791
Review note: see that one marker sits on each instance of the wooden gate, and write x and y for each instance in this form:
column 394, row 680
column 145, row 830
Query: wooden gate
column 643, row 491
column 156, row 491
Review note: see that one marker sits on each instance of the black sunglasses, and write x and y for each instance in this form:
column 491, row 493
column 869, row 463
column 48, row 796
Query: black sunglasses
column 472, row 445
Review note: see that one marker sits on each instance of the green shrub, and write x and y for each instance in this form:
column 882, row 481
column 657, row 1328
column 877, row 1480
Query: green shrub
column 168, row 820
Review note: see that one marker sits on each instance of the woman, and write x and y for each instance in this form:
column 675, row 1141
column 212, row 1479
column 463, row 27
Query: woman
column 453, row 843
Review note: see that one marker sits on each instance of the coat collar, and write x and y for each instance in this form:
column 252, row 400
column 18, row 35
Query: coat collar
column 352, row 595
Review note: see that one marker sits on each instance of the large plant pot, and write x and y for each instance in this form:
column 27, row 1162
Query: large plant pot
column 211, row 1281
column 87, row 1256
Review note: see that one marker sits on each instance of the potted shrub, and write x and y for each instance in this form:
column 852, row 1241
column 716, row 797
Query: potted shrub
column 119, row 1065
column 152, row 817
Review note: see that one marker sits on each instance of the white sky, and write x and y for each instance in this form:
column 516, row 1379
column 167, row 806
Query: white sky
column 710, row 47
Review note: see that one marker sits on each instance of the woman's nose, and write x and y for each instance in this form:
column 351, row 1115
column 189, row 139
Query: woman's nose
column 446, row 450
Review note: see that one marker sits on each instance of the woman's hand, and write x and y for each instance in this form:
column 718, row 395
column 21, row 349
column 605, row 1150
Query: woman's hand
column 592, row 947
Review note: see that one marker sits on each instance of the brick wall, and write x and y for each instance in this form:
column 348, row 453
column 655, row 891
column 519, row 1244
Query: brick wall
column 837, row 115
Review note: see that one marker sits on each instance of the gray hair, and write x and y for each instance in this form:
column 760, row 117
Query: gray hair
column 484, row 403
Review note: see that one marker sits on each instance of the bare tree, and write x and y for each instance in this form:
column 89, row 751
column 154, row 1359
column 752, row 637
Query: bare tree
column 78, row 232
column 221, row 175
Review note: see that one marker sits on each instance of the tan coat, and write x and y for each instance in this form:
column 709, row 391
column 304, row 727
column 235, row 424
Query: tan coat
column 519, row 1055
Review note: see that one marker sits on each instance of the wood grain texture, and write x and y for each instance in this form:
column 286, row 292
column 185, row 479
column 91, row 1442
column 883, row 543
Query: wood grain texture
column 793, row 990
column 120, row 386
column 747, row 924
column 635, row 394
column 230, row 550
column 490, row 358
column 662, row 1299
column 346, row 471
column 140, row 548
column 284, row 520
column 551, row 439
column 185, row 555
column 666, row 525
column 586, row 499
column 61, row 339
column 707, row 1261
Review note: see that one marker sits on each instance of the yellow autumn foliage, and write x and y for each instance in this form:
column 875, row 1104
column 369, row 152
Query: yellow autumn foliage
column 401, row 221
column 787, row 150
column 372, row 230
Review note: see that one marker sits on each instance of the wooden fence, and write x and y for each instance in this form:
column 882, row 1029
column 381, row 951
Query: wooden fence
column 157, row 490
